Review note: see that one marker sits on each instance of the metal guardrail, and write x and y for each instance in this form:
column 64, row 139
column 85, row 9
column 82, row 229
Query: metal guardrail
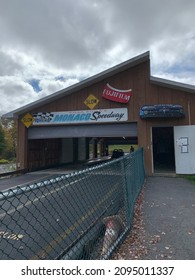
column 13, row 173
column 82, row 215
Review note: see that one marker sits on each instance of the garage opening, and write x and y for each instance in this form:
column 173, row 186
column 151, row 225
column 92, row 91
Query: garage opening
column 163, row 149
column 101, row 147
column 57, row 145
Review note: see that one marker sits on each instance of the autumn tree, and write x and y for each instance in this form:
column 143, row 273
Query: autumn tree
column 9, row 135
column 2, row 141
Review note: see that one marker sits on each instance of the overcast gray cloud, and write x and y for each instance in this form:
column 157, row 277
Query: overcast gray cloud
column 47, row 45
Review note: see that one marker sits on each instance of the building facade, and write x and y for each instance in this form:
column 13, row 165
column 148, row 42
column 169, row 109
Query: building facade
column 123, row 105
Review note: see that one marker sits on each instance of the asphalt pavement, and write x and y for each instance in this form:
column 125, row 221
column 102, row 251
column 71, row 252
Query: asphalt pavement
column 169, row 218
column 40, row 221
column 168, row 213
column 36, row 176
column 41, row 175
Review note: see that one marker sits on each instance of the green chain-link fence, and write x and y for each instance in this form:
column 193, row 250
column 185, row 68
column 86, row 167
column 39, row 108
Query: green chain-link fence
column 83, row 215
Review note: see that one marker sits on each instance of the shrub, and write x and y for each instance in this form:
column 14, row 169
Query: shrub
column 4, row 161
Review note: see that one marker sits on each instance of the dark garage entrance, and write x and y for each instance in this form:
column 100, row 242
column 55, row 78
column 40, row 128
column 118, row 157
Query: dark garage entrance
column 64, row 144
column 163, row 149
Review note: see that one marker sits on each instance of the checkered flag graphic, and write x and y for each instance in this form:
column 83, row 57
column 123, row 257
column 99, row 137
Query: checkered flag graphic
column 43, row 117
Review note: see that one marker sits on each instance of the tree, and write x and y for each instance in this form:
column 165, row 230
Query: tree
column 2, row 141
column 8, row 129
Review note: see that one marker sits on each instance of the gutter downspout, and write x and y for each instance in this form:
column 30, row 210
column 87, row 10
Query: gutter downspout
column 189, row 113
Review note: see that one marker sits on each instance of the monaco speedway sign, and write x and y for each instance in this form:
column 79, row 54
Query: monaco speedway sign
column 75, row 117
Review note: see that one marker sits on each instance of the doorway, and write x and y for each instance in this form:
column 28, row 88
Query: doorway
column 163, row 149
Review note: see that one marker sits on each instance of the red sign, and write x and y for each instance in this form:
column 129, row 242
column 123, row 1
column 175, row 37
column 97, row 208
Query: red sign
column 116, row 95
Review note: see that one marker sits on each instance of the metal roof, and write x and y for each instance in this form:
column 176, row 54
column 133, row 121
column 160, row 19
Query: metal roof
column 172, row 84
column 78, row 86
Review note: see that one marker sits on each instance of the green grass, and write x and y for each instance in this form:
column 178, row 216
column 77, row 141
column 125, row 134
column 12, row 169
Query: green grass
column 191, row 178
column 4, row 161
column 125, row 148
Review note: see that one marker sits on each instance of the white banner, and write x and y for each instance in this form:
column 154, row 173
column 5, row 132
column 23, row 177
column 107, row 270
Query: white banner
column 75, row 117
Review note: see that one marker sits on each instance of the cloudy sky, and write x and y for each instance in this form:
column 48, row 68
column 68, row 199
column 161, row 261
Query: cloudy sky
column 47, row 45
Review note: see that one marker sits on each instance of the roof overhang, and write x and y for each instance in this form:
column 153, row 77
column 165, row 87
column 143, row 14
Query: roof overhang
column 172, row 85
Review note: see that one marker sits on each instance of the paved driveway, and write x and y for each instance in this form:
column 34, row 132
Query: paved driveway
column 169, row 217
column 33, row 177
